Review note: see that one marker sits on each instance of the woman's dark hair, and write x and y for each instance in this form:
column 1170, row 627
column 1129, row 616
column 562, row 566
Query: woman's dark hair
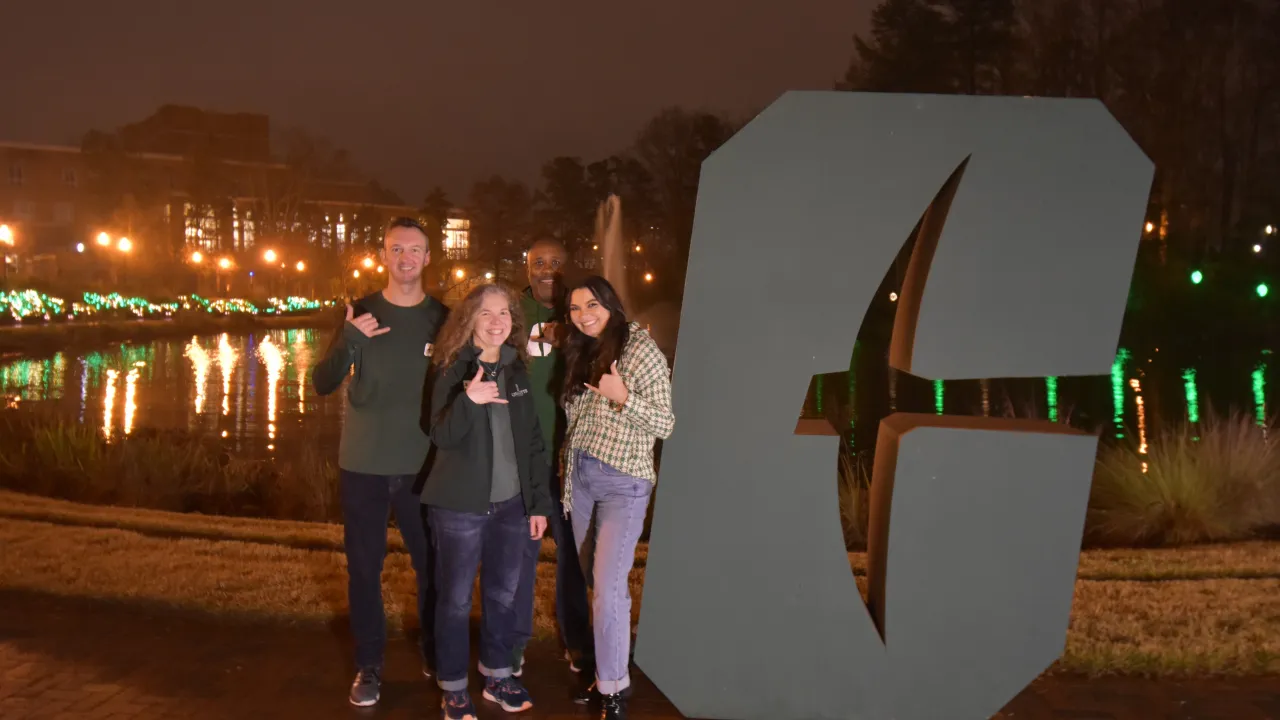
column 587, row 359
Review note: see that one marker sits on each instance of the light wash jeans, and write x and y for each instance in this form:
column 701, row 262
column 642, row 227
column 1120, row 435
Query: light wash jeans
column 608, row 518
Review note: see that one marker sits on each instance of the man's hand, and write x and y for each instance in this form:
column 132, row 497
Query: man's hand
column 537, row 526
column 366, row 323
column 483, row 392
column 611, row 386
column 549, row 334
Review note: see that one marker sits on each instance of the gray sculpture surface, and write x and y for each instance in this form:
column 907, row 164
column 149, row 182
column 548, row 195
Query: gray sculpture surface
column 1029, row 214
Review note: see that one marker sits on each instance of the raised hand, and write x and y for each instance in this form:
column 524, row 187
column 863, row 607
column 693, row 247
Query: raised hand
column 483, row 392
column 366, row 323
column 611, row 386
column 549, row 333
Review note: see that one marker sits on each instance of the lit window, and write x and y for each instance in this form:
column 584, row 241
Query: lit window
column 457, row 238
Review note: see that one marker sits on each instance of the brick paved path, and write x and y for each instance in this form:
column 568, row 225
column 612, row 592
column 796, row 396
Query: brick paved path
column 78, row 659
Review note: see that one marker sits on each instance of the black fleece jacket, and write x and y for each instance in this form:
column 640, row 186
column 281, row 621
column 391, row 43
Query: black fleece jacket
column 462, row 468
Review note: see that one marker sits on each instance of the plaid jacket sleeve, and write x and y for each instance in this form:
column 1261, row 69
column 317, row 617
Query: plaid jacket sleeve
column 648, row 405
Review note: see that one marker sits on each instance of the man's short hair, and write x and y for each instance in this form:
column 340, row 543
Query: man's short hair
column 404, row 221
column 548, row 240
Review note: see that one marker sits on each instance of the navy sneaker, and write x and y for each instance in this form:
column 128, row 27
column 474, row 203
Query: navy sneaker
column 457, row 705
column 507, row 692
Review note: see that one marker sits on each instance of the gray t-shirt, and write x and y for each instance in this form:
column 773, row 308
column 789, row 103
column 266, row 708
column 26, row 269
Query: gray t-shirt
column 506, row 474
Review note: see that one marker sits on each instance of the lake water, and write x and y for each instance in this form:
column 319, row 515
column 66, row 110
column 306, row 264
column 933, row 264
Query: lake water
column 254, row 391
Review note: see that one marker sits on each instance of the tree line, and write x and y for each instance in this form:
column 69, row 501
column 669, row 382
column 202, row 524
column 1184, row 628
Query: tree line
column 1195, row 82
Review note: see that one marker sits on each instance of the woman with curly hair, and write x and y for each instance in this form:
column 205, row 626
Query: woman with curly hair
column 487, row 492
column 617, row 398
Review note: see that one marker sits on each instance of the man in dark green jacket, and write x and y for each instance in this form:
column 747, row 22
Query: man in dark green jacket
column 384, row 347
column 545, row 261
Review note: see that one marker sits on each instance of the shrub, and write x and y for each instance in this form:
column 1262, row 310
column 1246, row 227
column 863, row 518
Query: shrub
column 163, row 470
column 854, row 491
column 1220, row 483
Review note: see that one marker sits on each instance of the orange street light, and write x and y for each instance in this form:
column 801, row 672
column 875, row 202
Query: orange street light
column 1150, row 226
column 301, row 266
column 197, row 258
column 104, row 239
column 269, row 256
column 459, row 273
column 368, row 263
column 355, row 273
column 124, row 245
column 224, row 263
column 648, row 277
column 6, row 235
column 381, row 269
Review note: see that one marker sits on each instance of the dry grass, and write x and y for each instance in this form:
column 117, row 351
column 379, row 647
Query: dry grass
column 1220, row 482
column 1217, row 625
column 170, row 470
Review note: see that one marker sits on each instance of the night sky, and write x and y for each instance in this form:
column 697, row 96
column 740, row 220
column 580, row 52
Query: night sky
column 424, row 92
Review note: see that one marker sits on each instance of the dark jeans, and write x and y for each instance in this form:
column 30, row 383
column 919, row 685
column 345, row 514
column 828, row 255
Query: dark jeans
column 496, row 542
column 573, row 614
column 367, row 501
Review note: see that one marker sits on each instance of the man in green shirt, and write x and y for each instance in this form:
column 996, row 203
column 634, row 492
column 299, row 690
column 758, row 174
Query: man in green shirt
column 541, row 303
column 384, row 347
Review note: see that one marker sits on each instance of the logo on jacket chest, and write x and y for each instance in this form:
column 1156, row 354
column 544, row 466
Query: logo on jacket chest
column 519, row 391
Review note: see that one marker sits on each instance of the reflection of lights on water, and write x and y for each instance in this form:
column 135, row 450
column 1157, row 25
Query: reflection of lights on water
column 1259, row 381
column 1117, row 390
column 1192, row 393
column 200, row 363
column 301, row 359
column 227, row 362
column 273, row 360
column 1051, row 397
column 108, row 402
column 130, row 390
column 1142, row 418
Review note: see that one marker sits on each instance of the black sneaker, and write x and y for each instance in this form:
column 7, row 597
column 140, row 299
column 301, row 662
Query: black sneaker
column 457, row 705
column 507, row 692
column 367, row 687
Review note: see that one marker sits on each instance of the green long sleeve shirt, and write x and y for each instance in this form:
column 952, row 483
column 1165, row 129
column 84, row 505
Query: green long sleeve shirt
column 382, row 431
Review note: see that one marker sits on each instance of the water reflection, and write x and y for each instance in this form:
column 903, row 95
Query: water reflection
column 130, row 392
column 227, row 363
column 1259, row 379
column 109, row 403
column 268, row 408
column 200, row 363
column 273, row 360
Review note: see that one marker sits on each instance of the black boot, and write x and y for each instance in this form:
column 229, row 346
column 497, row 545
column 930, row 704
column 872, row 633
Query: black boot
column 613, row 707
column 585, row 693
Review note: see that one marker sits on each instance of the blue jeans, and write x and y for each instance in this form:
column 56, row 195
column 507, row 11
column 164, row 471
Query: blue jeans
column 496, row 542
column 572, row 612
column 608, row 518
column 367, row 502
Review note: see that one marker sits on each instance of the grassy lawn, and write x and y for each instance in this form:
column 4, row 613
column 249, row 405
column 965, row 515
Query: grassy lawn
column 1209, row 609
